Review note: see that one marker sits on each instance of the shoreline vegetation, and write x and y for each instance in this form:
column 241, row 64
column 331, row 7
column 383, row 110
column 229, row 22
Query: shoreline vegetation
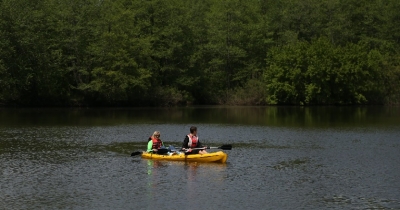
column 174, row 53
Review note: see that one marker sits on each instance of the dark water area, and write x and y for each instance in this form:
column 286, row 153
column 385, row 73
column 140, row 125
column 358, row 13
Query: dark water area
column 282, row 158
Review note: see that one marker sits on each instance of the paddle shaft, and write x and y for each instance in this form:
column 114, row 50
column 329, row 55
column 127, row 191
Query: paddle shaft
column 223, row 147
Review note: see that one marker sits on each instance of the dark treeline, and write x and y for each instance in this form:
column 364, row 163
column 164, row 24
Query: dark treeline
column 158, row 52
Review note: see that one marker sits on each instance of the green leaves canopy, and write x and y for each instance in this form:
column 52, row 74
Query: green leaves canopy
column 154, row 52
column 321, row 73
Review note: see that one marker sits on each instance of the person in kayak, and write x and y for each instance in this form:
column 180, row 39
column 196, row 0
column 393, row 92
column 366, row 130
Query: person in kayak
column 155, row 144
column 191, row 141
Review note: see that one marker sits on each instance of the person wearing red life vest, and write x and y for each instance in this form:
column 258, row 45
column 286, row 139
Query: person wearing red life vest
column 192, row 141
column 155, row 142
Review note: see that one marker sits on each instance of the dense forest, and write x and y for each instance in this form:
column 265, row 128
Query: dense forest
column 161, row 53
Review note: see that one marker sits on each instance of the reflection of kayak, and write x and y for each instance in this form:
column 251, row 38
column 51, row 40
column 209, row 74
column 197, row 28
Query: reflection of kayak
column 216, row 157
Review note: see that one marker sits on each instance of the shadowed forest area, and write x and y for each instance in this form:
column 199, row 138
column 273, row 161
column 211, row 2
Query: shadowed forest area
column 176, row 52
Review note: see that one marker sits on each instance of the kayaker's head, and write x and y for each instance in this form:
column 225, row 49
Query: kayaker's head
column 193, row 130
column 156, row 134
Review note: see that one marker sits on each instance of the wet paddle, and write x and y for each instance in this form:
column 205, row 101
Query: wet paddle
column 160, row 152
column 223, row 147
column 136, row 153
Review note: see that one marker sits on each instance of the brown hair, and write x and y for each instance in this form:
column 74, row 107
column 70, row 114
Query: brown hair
column 193, row 129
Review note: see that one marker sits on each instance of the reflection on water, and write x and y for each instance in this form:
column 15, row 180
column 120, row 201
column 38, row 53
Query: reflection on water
column 271, row 116
column 191, row 169
column 282, row 158
column 152, row 179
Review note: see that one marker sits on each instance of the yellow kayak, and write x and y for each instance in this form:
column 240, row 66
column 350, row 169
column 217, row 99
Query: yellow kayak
column 215, row 157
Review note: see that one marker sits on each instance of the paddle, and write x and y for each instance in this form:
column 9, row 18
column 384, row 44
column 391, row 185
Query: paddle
column 223, row 147
column 161, row 151
column 136, row 153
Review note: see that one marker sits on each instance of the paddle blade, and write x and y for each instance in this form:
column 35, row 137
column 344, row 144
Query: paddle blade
column 136, row 153
column 225, row 147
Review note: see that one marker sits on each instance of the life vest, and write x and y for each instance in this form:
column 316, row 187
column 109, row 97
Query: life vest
column 157, row 143
column 193, row 141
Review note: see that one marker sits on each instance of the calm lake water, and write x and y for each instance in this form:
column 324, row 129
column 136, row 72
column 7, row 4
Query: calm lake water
column 282, row 158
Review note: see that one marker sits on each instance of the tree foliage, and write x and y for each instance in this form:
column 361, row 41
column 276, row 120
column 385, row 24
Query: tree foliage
column 154, row 52
column 322, row 73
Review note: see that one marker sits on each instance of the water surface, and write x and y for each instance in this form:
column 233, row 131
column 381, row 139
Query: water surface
column 283, row 158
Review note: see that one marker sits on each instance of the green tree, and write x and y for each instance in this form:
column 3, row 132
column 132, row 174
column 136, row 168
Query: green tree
column 238, row 39
column 321, row 73
column 31, row 57
column 115, row 76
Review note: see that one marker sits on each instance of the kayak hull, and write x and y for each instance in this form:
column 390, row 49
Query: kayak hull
column 214, row 157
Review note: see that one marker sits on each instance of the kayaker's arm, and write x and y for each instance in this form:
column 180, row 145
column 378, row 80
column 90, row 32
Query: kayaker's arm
column 185, row 143
column 150, row 146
